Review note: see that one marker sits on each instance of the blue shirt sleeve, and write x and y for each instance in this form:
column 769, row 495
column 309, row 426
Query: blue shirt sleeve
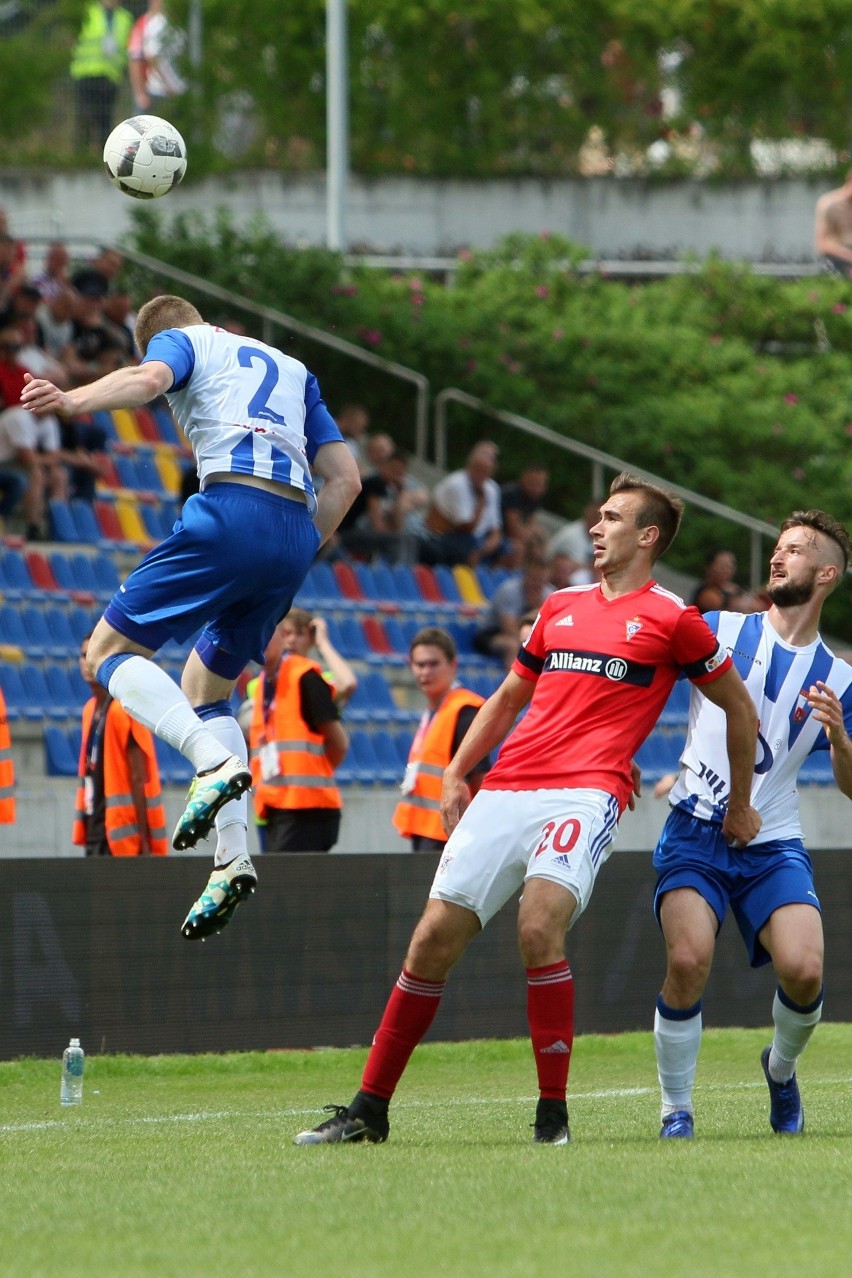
column 320, row 426
column 174, row 348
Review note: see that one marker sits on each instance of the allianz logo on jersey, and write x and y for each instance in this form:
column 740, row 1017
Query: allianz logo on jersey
column 598, row 663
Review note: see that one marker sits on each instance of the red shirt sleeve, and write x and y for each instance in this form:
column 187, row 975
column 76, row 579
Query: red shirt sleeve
column 696, row 648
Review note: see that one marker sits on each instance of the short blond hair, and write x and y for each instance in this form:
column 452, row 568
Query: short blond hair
column 161, row 313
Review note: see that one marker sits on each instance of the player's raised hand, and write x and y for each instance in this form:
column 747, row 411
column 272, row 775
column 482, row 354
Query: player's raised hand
column 827, row 710
column 41, row 396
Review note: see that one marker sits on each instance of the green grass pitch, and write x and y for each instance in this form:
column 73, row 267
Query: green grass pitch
column 181, row 1165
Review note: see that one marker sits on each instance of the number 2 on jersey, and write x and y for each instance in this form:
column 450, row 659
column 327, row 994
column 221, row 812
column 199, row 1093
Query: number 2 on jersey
column 259, row 403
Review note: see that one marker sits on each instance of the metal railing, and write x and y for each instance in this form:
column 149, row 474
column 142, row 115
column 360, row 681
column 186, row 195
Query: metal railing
column 601, row 462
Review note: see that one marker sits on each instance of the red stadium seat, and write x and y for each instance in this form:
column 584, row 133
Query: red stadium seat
column 347, row 581
column 427, row 584
column 40, row 571
column 376, row 636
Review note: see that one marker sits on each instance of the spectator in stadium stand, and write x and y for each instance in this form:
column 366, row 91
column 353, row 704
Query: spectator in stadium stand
column 296, row 738
column 95, row 348
column 56, row 321
column 378, row 447
column 55, row 274
column 230, row 568
column 98, row 276
column 833, row 228
column 463, row 523
column 574, row 538
column 377, row 523
column 803, row 695
column 520, row 501
column 12, row 269
column 496, row 634
column 29, row 445
column 450, row 711
column 7, row 768
column 353, row 421
column 119, row 809
column 563, row 572
column 718, row 588
column 596, row 670
column 97, row 67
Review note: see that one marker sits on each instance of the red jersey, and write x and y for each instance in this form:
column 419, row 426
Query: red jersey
column 604, row 669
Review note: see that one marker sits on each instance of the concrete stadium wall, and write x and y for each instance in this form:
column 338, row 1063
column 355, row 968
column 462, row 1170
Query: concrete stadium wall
column 761, row 221
column 93, row 948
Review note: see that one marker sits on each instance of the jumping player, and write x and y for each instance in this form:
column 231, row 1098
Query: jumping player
column 596, row 670
column 803, row 695
column 257, row 424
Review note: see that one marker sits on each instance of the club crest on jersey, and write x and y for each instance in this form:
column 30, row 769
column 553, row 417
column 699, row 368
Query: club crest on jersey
column 633, row 627
column 801, row 709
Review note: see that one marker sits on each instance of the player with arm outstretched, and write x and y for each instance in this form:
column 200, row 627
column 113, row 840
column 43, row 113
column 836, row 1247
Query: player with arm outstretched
column 241, row 549
column 595, row 672
column 803, row 695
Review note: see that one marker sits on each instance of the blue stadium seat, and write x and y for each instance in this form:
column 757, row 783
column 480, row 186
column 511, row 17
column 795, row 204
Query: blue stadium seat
column 396, row 635
column 372, row 702
column 14, row 694
column 40, row 641
column 59, row 759
column 449, row 586
column 385, row 584
column 174, row 768
column 85, row 522
column 106, row 573
column 165, row 424
column 62, row 525
column 150, row 479
column 675, row 713
column 104, row 420
column 816, row 769
column 60, row 566
column 12, row 629
column 59, row 624
column 659, row 754
column 127, row 471
column 82, row 567
column 387, row 757
column 402, row 744
column 64, row 701
column 38, row 701
column 15, row 579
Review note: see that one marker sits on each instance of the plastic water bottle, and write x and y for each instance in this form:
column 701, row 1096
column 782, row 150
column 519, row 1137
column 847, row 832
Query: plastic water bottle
column 73, row 1064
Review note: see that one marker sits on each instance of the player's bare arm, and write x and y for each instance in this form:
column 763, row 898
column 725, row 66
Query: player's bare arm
column 493, row 720
column 341, row 485
column 827, row 710
column 124, row 388
column 741, row 822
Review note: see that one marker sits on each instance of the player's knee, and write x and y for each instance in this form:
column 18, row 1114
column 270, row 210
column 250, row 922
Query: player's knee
column 539, row 941
column 688, row 964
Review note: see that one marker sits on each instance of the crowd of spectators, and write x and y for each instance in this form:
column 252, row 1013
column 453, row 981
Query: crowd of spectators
column 70, row 322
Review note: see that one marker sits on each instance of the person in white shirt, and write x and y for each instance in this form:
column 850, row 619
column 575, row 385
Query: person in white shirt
column 803, row 696
column 464, row 522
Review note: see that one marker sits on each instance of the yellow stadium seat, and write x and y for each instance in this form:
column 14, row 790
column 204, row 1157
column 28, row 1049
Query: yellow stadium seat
column 469, row 587
column 126, row 426
column 132, row 526
column 168, row 467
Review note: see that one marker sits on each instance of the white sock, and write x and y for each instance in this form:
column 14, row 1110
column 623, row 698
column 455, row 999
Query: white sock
column 793, row 1029
column 676, row 1043
column 232, row 819
column 153, row 699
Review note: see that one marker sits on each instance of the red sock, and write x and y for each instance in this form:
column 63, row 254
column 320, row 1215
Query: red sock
column 409, row 1012
column 550, row 1012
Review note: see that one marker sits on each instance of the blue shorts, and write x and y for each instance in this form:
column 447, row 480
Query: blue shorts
column 230, row 568
column 754, row 881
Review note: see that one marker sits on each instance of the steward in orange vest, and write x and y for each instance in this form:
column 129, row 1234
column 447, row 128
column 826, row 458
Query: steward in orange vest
column 7, row 769
column 296, row 741
column 451, row 711
column 119, row 806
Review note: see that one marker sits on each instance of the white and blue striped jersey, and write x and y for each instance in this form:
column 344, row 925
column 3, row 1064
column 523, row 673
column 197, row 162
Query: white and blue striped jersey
column 245, row 407
column 777, row 677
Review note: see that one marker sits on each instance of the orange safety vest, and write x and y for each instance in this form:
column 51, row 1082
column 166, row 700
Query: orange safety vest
column 122, row 831
column 419, row 811
column 7, row 769
column 305, row 778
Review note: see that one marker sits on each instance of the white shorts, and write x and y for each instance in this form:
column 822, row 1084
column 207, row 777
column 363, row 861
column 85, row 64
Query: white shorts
column 508, row 836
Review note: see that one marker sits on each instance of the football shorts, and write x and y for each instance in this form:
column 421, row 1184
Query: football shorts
column 508, row 836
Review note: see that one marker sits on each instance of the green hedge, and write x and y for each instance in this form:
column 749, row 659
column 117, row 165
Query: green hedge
column 735, row 386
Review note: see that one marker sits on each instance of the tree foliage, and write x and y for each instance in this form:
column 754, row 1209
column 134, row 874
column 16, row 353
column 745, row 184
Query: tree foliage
column 486, row 87
column 733, row 385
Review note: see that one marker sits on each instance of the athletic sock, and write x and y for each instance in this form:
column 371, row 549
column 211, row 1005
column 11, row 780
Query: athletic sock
column 232, row 819
column 410, row 1011
column 677, row 1039
column 550, row 1015
column 153, row 699
column 793, row 1028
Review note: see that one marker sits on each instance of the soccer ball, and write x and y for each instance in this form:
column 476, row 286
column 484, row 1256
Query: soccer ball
column 145, row 157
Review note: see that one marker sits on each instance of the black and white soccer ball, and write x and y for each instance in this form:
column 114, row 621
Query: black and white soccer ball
column 145, row 157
